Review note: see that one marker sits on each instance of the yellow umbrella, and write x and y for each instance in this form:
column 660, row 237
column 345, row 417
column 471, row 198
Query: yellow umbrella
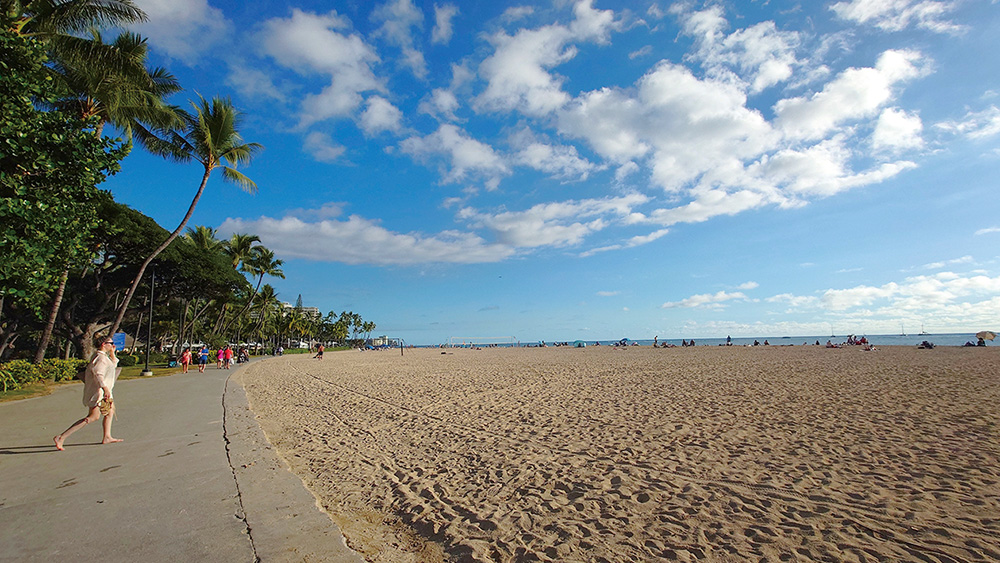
column 986, row 335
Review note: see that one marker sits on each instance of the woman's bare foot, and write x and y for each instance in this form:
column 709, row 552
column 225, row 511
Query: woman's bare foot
column 59, row 443
column 110, row 440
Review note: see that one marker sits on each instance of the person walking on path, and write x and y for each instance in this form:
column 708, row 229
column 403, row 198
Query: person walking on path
column 202, row 358
column 219, row 357
column 228, row 357
column 185, row 359
column 319, row 351
column 98, row 382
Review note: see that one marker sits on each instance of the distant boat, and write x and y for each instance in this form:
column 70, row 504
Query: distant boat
column 922, row 331
column 902, row 331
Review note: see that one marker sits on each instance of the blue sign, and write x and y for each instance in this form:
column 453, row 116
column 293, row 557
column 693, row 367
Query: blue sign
column 119, row 339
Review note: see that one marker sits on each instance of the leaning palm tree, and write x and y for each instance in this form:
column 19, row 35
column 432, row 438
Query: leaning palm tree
column 126, row 95
column 211, row 137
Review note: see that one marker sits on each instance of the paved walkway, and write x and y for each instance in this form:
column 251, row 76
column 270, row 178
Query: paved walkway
column 194, row 480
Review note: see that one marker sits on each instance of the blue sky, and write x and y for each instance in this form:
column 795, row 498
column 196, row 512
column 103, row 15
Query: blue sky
column 593, row 170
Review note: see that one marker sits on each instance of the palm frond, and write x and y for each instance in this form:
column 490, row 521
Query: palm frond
column 235, row 176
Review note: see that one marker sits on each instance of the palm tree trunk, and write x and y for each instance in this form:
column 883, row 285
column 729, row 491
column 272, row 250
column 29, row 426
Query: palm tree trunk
column 159, row 249
column 53, row 314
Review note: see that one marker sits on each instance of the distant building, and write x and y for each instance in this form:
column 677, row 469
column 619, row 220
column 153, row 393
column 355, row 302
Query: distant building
column 309, row 311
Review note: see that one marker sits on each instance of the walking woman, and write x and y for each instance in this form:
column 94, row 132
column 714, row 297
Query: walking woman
column 97, row 385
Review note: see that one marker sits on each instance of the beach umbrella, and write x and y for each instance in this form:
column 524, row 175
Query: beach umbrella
column 986, row 335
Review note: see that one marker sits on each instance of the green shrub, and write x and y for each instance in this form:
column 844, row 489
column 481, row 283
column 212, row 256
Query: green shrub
column 60, row 370
column 7, row 382
column 127, row 360
column 23, row 372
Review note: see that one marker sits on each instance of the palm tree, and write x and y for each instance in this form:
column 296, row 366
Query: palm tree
column 211, row 137
column 127, row 95
column 268, row 312
column 57, row 20
column 59, row 24
column 240, row 247
column 203, row 238
column 130, row 98
column 260, row 263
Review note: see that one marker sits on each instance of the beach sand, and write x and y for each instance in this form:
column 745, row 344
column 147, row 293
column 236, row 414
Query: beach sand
column 710, row 453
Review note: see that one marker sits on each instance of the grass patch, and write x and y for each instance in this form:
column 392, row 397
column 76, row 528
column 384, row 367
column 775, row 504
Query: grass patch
column 36, row 389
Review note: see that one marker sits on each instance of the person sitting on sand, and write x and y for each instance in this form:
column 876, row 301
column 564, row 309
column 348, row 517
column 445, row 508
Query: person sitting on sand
column 98, row 382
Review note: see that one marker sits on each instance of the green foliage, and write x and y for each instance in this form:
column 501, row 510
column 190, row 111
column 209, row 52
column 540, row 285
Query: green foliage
column 22, row 372
column 50, row 166
column 60, row 370
column 127, row 360
column 7, row 382
column 19, row 373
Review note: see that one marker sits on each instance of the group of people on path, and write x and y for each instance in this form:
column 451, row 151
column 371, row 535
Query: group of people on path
column 224, row 358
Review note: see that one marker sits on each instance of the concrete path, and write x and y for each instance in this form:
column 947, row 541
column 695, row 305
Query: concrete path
column 194, row 480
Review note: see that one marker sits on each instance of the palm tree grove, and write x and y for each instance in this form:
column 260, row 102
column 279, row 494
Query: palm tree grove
column 77, row 95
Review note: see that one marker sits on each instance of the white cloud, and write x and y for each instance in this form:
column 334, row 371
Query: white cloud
column 975, row 125
column 362, row 241
column 633, row 242
column 253, row 83
column 518, row 70
column 759, row 56
column 466, row 156
column 183, row 29
column 897, row 130
column 861, row 296
column 515, row 13
column 607, row 293
column 644, row 51
column 380, row 115
column 591, row 24
column 856, row 93
column 945, row 263
column 794, row 301
column 443, row 15
column 322, row 147
column 553, row 224
column 683, row 125
column 708, row 204
column 897, row 15
column 559, row 161
column 441, row 104
column 820, row 170
column 706, row 300
column 398, row 19
column 950, row 298
column 987, row 231
column 310, row 43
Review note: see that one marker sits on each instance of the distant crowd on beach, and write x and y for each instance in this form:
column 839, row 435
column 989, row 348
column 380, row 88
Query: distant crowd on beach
column 851, row 341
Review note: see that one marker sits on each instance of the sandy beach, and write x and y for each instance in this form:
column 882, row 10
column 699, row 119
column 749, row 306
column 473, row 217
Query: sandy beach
column 710, row 453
